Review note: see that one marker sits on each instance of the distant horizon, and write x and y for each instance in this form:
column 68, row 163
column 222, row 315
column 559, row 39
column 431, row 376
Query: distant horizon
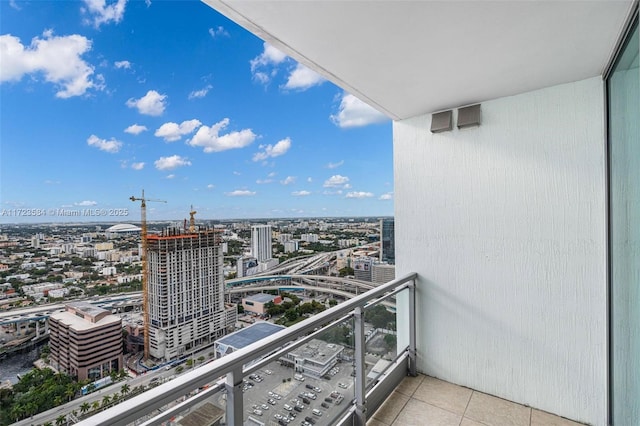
column 199, row 220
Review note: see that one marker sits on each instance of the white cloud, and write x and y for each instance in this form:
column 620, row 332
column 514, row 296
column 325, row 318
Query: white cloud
column 269, row 56
column 51, row 182
column 211, row 186
column 300, row 193
column 387, row 196
column 170, row 163
column 172, row 132
column 14, row 5
column 272, row 151
column 102, row 13
column 336, row 181
column 302, row 78
column 137, row 166
column 262, row 66
column 57, row 58
column 236, row 173
column 264, row 181
column 218, row 31
column 288, row 180
column 240, row 193
column 210, row 139
column 111, row 145
column 355, row 113
column 360, row 194
column 171, row 176
column 335, row 165
column 153, row 103
column 272, row 174
column 309, row 179
column 200, row 93
column 135, row 129
column 122, row 64
column 85, row 203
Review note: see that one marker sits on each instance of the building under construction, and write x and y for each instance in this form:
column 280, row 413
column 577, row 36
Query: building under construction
column 185, row 299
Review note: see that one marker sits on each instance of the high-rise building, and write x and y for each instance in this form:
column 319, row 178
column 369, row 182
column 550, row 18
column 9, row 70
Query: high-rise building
column 387, row 241
column 85, row 341
column 261, row 242
column 185, row 287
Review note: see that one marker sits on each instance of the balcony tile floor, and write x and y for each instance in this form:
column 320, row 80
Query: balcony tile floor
column 427, row 401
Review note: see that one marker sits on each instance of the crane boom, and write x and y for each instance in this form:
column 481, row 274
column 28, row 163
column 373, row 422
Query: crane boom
column 145, row 273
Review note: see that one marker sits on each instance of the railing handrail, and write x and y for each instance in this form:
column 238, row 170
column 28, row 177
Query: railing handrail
column 126, row 412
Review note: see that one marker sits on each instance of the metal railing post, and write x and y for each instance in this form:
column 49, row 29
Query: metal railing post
column 360, row 385
column 234, row 397
column 412, row 328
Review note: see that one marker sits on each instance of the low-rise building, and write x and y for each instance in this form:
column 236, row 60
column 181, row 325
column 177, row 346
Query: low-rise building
column 256, row 302
column 314, row 359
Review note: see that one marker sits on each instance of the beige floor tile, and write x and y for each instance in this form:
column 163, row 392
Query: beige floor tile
column 390, row 408
column 374, row 422
column 494, row 411
column 469, row 422
column 418, row 413
column 409, row 384
column 541, row 418
column 443, row 394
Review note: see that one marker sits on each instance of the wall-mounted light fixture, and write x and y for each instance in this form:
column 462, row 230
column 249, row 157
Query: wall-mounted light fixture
column 441, row 121
column 469, row 116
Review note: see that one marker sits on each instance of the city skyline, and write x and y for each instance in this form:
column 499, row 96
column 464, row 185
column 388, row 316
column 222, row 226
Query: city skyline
column 193, row 109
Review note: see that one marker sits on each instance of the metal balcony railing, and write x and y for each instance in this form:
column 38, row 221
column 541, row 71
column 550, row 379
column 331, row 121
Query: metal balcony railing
column 350, row 329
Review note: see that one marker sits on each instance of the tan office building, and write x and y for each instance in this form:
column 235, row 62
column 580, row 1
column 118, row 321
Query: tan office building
column 85, row 341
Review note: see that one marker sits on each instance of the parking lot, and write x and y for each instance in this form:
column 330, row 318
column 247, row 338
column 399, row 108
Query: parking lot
column 279, row 399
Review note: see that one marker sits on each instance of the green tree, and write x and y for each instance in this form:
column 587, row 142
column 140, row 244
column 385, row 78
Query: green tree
column 124, row 389
column 189, row 363
column 200, row 359
column 333, row 302
column 179, row 369
column 106, row 400
column 61, row 420
column 70, row 391
column 95, row 405
column 346, row 271
column 390, row 340
column 84, row 407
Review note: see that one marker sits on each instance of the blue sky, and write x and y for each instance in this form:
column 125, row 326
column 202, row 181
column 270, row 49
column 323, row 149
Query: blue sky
column 99, row 100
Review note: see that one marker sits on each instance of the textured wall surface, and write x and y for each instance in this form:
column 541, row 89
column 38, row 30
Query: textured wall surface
column 505, row 224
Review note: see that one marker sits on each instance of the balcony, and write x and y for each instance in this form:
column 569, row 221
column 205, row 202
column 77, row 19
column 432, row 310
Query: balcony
column 335, row 368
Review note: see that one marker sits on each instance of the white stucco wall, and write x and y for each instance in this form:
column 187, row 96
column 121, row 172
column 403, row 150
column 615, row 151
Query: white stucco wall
column 505, row 225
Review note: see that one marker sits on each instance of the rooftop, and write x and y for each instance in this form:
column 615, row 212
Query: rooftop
column 249, row 335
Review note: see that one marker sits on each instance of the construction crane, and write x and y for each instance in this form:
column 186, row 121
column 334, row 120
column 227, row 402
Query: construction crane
column 145, row 274
column 192, row 220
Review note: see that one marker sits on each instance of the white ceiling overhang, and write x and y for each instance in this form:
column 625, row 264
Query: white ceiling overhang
column 407, row 58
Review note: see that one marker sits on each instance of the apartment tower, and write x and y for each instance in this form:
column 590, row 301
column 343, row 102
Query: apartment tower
column 186, row 292
column 261, row 242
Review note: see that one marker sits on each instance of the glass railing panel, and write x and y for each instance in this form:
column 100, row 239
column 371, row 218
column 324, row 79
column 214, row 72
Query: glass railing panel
column 381, row 337
column 209, row 408
column 309, row 384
